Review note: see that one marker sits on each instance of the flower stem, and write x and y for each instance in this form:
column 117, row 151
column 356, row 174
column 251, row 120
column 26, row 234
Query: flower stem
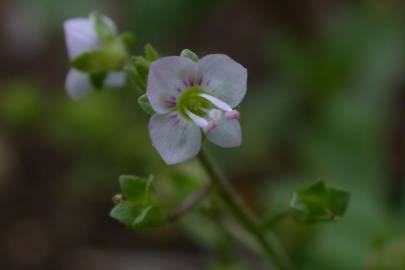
column 269, row 247
column 273, row 220
column 190, row 203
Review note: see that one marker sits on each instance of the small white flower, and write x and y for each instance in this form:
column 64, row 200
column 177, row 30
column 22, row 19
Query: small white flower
column 190, row 96
column 81, row 36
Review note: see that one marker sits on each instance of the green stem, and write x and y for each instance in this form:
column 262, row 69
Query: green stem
column 270, row 249
column 273, row 220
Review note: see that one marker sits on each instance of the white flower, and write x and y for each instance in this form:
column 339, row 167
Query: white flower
column 81, row 36
column 189, row 97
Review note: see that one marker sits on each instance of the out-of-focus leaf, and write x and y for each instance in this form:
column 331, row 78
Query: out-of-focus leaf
column 189, row 54
column 128, row 39
column 319, row 202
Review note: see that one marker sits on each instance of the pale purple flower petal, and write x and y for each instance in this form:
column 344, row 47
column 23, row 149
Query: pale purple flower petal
column 80, row 36
column 77, row 84
column 176, row 140
column 168, row 76
column 227, row 133
column 226, row 78
column 115, row 79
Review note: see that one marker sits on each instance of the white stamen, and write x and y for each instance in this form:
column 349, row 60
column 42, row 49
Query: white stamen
column 217, row 102
column 201, row 122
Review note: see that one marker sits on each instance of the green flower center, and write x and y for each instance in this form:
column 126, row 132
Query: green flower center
column 191, row 100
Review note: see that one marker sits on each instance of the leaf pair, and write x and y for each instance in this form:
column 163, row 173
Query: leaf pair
column 319, row 202
column 137, row 208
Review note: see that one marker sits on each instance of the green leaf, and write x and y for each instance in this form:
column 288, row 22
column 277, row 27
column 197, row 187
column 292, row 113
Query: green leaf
column 133, row 188
column 104, row 31
column 189, row 54
column 338, row 201
column 319, row 202
column 143, row 102
column 150, row 53
column 149, row 188
column 136, row 217
column 151, row 216
column 125, row 212
column 138, row 208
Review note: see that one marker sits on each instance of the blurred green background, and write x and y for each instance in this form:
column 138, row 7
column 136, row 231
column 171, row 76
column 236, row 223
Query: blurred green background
column 326, row 100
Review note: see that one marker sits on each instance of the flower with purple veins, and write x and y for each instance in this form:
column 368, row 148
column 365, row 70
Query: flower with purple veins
column 81, row 36
column 189, row 97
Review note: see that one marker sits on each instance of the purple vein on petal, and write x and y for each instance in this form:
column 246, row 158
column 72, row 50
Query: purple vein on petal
column 184, row 130
column 172, row 102
column 174, row 119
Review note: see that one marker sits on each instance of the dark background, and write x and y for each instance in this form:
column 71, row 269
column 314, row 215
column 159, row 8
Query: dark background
column 326, row 100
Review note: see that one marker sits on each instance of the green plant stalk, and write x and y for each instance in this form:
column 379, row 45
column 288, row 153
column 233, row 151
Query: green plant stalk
column 268, row 245
column 274, row 220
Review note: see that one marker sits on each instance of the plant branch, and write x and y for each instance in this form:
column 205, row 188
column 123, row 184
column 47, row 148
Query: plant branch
column 268, row 245
column 190, row 203
column 273, row 220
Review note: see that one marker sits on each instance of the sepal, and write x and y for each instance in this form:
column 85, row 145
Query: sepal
column 150, row 53
column 189, row 54
column 128, row 39
column 143, row 102
column 110, row 57
column 97, row 79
